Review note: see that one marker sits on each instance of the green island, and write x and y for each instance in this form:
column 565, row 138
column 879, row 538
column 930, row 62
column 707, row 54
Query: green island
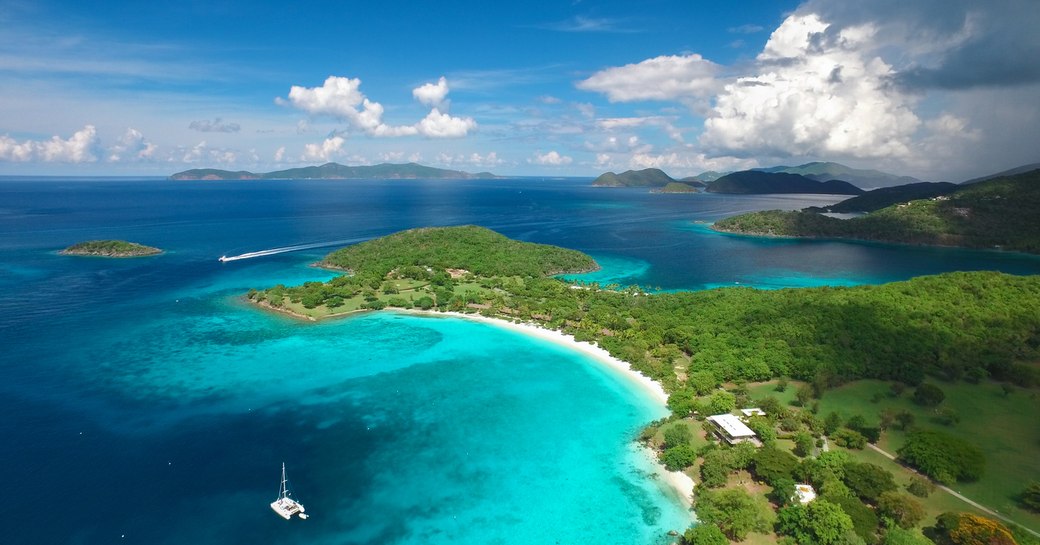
column 998, row 213
column 110, row 248
column 876, row 396
column 677, row 187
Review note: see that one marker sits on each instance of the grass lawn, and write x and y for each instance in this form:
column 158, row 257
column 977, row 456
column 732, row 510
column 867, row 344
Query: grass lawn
column 761, row 390
column 1003, row 427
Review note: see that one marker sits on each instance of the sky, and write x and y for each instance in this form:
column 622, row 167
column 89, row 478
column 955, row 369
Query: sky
column 937, row 89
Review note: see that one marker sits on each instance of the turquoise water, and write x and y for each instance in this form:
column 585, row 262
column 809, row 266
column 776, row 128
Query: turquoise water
column 146, row 403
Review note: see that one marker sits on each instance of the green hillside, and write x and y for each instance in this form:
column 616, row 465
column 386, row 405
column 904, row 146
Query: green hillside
column 649, row 177
column 750, row 182
column 998, row 213
column 825, row 171
column 887, row 196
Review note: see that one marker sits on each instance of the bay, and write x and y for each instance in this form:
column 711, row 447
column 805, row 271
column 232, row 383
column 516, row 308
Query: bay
column 147, row 404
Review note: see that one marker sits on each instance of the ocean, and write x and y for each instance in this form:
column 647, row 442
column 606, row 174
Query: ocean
column 146, row 403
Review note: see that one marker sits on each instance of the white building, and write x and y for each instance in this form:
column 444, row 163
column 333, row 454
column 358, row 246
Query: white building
column 731, row 429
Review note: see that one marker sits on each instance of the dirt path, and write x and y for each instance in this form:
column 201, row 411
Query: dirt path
column 957, row 495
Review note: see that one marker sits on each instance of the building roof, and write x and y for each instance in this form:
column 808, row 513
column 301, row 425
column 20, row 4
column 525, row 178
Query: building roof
column 731, row 425
column 754, row 411
column 804, row 493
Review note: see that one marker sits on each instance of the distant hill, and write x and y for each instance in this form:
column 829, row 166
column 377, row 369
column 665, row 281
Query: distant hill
column 825, row 171
column 887, row 196
column 750, row 182
column 676, row 187
column 704, row 177
column 649, row 177
column 997, row 213
column 1009, row 172
column 335, row 171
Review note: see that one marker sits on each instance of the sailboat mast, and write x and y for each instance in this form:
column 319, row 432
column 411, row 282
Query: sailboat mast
column 283, row 492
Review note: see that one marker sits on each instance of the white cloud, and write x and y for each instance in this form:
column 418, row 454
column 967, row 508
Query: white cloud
column 279, row 154
column 432, row 94
column 325, row 151
column 491, row 159
column 439, row 125
column 553, row 158
column 202, row 153
column 341, row 98
column 673, row 77
column 216, row 125
column 131, row 146
column 82, row 147
column 816, row 94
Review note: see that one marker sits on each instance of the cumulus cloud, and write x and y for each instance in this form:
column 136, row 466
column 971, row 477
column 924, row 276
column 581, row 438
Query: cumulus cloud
column 131, row 146
column 325, row 151
column 440, row 125
column 202, row 153
column 82, row 147
column 341, row 98
column 553, row 158
column 669, row 77
column 216, row 125
column 432, row 94
column 475, row 159
column 952, row 44
column 816, row 93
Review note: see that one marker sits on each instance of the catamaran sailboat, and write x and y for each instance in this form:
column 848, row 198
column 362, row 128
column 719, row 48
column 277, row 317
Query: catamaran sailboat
column 285, row 506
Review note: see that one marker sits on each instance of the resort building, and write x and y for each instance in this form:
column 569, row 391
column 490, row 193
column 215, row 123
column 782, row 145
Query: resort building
column 730, row 429
column 754, row 411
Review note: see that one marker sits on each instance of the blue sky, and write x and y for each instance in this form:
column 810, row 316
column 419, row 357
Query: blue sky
column 939, row 89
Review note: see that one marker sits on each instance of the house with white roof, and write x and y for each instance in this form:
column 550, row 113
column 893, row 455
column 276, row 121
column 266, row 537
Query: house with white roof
column 729, row 428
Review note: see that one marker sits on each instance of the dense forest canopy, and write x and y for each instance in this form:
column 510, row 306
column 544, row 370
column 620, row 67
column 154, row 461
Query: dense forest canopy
column 958, row 325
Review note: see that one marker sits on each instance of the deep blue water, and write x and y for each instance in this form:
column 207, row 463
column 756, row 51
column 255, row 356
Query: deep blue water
column 143, row 399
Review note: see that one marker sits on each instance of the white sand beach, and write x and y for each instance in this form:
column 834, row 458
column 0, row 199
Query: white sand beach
column 681, row 482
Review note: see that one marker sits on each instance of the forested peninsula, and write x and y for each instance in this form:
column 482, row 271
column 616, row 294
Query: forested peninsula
column 997, row 213
column 713, row 350
column 110, row 248
column 947, row 324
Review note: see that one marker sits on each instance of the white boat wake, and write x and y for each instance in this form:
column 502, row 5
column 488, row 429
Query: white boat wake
column 285, row 249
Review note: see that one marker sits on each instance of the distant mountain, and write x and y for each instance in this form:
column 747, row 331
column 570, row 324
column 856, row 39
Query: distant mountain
column 1009, row 172
column 997, row 213
column 335, row 171
column 825, row 171
column 708, row 176
column 887, row 196
column 650, row 177
column 749, row 182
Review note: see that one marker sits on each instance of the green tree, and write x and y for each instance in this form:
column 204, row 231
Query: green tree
column 734, row 511
column 902, row 509
column 849, row 439
column 676, row 435
column 702, row 382
column 678, row 457
column 820, row 522
column 864, row 521
column 928, row 395
column 771, row 464
column 942, row 457
column 704, row 534
column 920, row 486
column 1030, row 497
column 716, row 468
column 803, row 444
column 804, row 394
column 783, row 491
column 721, row 401
column 831, row 423
column 682, row 402
column 899, row 536
column 868, row 481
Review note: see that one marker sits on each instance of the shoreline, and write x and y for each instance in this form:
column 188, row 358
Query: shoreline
column 680, row 483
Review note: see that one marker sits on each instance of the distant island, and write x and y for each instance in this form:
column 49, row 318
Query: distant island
column 826, row 171
column 996, row 213
column 754, row 182
column 648, row 177
column 336, row 171
column 110, row 248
